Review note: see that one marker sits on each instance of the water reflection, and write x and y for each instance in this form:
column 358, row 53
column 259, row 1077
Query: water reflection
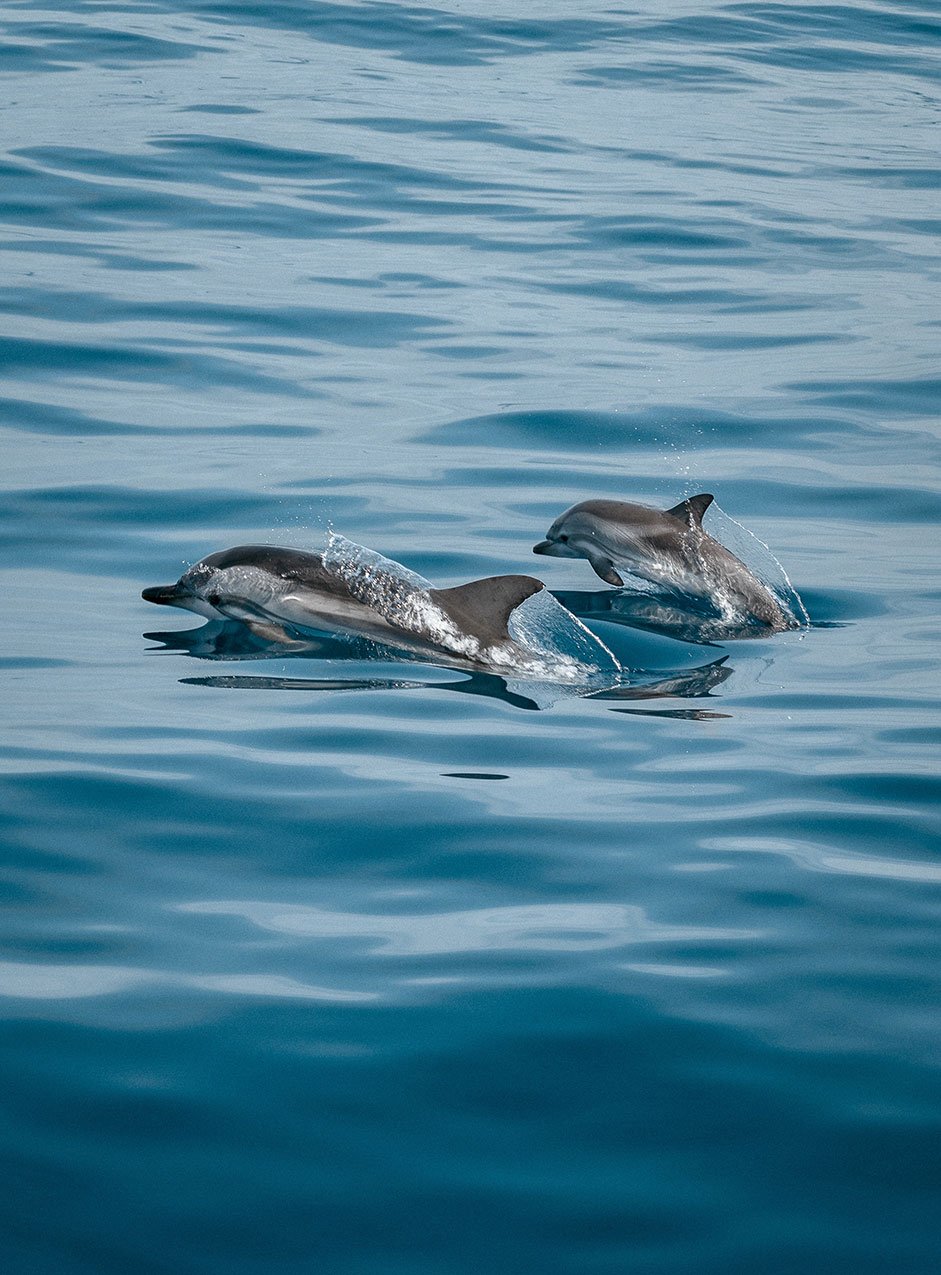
column 23, row 980
column 536, row 927
column 823, row 858
column 230, row 640
column 689, row 619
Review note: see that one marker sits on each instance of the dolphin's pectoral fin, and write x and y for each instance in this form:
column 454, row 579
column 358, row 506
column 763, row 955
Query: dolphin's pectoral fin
column 690, row 511
column 271, row 632
column 604, row 569
column 254, row 618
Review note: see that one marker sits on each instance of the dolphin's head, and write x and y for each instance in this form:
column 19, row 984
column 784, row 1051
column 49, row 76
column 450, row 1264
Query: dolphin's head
column 581, row 533
column 243, row 583
column 565, row 536
column 196, row 590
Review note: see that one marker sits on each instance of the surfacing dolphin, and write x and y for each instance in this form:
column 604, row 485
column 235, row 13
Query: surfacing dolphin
column 667, row 547
column 274, row 590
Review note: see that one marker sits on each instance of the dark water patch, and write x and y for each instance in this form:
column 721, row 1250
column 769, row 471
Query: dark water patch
column 77, row 186
column 775, row 306
column 821, row 59
column 659, row 232
column 914, row 396
column 159, row 163
column 843, row 705
column 890, row 505
column 921, row 792
column 338, row 281
column 463, row 239
column 916, row 736
column 199, row 814
column 51, row 46
column 472, row 131
column 470, row 774
column 434, row 36
column 720, row 300
column 840, row 38
column 419, row 282
column 48, row 418
column 66, row 513
column 667, row 76
column 462, row 352
column 923, row 176
column 875, row 23
column 680, row 714
column 357, row 327
column 75, row 203
column 95, row 252
column 851, row 250
column 699, row 162
column 749, row 341
column 225, row 160
column 263, row 429
column 60, row 360
column 219, row 108
column 31, row 662
column 553, row 432
column 384, row 1064
column 840, row 605
column 921, row 225
column 710, row 237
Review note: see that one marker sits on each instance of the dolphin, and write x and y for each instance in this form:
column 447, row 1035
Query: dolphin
column 274, row 590
column 668, row 547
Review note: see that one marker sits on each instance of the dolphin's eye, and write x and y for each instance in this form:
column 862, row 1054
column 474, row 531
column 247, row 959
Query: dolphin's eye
column 214, row 599
column 564, row 539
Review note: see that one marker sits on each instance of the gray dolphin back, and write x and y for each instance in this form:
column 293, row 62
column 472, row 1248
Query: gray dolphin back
column 294, row 566
column 483, row 608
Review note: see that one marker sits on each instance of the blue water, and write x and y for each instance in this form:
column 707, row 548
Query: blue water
column 427, row 974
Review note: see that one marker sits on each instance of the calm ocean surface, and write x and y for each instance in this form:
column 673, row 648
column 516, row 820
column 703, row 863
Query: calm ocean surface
column 393, row 980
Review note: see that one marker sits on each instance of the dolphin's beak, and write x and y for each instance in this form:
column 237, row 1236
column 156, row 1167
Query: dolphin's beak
column 166, row 595
column 555, row 549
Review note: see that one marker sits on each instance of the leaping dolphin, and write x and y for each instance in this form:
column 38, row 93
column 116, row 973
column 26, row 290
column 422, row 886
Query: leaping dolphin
column 268, row 588
column 667, row 547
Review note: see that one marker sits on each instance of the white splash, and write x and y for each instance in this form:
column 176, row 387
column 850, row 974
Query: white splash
column 547, row 642
column 557, row 638
column 760, row 559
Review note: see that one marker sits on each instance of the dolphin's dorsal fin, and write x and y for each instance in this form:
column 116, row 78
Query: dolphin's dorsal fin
column 483, row 608
column 692, row 509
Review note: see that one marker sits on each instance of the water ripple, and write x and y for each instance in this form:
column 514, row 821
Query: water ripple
column 534, row 927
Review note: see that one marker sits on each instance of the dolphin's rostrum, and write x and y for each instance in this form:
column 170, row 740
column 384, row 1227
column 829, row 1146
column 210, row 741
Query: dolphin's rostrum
column 668, row 547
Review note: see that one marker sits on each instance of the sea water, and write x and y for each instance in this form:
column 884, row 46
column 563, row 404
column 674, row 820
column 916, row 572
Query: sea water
column 318, row 962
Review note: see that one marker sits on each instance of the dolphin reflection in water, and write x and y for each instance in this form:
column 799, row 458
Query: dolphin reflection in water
column 231, row 641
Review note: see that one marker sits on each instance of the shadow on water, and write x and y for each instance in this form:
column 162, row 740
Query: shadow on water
column 231, row 640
